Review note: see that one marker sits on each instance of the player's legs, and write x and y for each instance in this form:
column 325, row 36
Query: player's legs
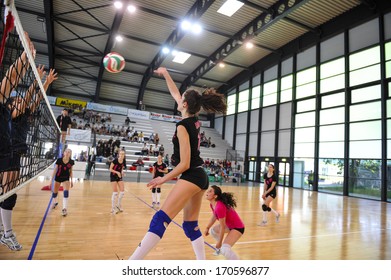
column 65, row 198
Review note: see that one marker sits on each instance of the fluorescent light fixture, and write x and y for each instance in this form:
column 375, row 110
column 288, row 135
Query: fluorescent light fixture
column 230, row 7
column 174, row 52
column 196, row 28
column 118, row 4
column 119, row 38
column 249, row 45
column 222, row 65
column 131, row 8
column 166, row 50
column 186, row 25
column 181, row 57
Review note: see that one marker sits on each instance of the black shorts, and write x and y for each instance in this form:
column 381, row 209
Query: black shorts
column 115, row 179
column 196, row 176
column 272, row 194
column 61, row 179
column 4, row 164
column 241, row 230
column 14, row 162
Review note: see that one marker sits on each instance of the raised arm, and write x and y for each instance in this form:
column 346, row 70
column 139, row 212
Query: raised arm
column 161, row 71
column 51, row 77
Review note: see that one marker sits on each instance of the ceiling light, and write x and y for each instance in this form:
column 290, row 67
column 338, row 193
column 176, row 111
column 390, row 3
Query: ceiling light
column 222, row 65
column 118, row 38
column 196, row 28
column 131, row 8
column 118, row 4
column 230, row 7
column 181, row 57
column 166, row 50
column 249, row 45
column 186, row 25
column 174, row 52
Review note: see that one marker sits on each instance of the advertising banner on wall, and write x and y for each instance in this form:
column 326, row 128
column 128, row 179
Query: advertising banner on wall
column 69, row 103
column 107, row 108
column 79, row 135
column 136, row 114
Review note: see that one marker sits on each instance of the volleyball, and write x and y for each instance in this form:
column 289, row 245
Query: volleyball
column 113, row 62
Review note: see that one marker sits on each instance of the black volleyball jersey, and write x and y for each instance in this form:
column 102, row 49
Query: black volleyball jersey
column 192, row 125
column 63, row 169
column 269, row 180
column 118, row 167
column 157, row 167
column 20, row 128
column 5, row 131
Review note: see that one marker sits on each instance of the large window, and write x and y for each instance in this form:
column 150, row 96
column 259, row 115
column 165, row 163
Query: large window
column 332, row 75
column 331, row 175
column 231, row 102
column 388, row 60
column 243, row 100
column 270, row 93
column 365, row 178
column 306, row 83
column 286, row 88
column 256, row 97
column 364, row 66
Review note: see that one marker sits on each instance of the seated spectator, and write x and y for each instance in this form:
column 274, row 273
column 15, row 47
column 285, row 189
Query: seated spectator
column 135, row 136
column 80, row 125
column 141, row 137
column 157, row 139
column 161, row 150
column 156, row 151
column 108, row 118
column 167, row 160
column 151, row 138
column 150, row 152
column 74, row 123
column 144, row 150
column 209, row 142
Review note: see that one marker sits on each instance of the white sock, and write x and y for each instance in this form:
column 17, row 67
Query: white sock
column 227, row 252
column 65, row 203
column 121, row 195
column 113, row 198
column 149, row 241
column 7, row 221
column 1, row 220
column 158, row 197
column 199, row 248
column 153, row 197
column 274, row 211
column 264, row 216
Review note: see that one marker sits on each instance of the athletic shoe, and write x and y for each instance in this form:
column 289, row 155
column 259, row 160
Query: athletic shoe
column 262, row 224
column 153, row 204
column 216, row 253
column 158, row 205
column 1, row 232
column 114, row 211
column 55, row 205
column 64, row 212
column 120, row 209
column 278, row 218
column 11, row 242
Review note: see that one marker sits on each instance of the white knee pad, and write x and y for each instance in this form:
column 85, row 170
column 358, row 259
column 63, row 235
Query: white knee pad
column 227, row 252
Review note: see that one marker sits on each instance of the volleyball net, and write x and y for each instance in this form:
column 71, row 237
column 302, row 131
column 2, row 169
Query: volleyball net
column 29, row 132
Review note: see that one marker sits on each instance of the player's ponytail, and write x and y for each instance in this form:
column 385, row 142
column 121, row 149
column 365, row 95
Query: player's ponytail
column 225, row 197
column 209, row 100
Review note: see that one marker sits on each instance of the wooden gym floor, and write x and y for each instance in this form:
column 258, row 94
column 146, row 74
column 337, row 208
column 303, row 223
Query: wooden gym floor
column 313, row 226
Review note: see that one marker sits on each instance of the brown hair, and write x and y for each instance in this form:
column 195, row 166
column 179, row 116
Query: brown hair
column 209, row 100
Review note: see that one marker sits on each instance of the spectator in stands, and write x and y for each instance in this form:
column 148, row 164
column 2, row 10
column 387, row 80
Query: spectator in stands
column 144, row 150
column 135, row 136
column 167, row 160
column 80, row 125
column 141, row 137
column 64, row 122
column 161, row 150
column 74, row 124
column 151, row 138
column 150, row 152
column 90, row 163
column 109, row 118
column 209, row 142
column 156, row 151
column 139, row 162
column 157, row 139
column 127, row 121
